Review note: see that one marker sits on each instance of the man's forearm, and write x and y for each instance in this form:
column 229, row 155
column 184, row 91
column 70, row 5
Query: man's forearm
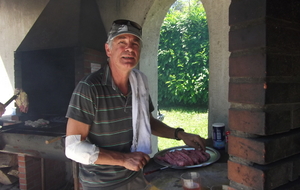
column 133, row 161
column 107, row 157
column 161, row 129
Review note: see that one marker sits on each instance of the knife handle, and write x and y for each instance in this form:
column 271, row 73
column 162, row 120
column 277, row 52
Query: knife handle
column 52, row 140
column 11, row 99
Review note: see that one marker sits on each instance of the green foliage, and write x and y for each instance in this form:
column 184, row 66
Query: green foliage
column 183, row 57
column 192, row 120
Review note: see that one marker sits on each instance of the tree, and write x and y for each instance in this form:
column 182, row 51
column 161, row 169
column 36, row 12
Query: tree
column 183, row 57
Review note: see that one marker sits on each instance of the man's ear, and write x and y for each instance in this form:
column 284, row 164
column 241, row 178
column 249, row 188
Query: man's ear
column 107, row 50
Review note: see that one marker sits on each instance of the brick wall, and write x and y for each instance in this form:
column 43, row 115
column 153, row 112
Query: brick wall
column 29, row 173
column 87, row 57
column 37, row 173
column 264, row 92
column 84, row 58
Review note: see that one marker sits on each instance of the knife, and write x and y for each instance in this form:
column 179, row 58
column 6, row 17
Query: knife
column 159, row 169
column 11, row 99
column 54, row 139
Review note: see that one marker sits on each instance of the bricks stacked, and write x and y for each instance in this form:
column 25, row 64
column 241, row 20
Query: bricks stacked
column 37, row 173
column 264, row 92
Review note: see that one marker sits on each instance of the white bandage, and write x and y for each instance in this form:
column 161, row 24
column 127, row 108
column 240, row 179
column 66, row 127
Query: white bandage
column 81, row 151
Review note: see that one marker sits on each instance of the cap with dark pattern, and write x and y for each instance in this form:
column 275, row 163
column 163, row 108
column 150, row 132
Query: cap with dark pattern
column 124, row 27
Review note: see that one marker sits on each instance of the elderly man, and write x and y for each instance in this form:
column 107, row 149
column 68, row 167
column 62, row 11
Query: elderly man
column 109, row 117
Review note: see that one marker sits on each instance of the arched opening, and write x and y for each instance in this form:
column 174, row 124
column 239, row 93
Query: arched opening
column 183, row 58
column 218, row 26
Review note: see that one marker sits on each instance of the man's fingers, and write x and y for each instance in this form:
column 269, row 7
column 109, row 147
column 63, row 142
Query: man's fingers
column 137, row 160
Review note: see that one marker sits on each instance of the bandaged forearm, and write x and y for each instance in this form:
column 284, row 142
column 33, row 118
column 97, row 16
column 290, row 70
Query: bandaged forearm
column 81, row 151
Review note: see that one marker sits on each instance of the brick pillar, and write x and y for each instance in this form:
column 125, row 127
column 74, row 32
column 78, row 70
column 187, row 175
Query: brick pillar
column 92, row 57
column 38, row 173
column 29, row 172
column 264, row 92
column 84, row 58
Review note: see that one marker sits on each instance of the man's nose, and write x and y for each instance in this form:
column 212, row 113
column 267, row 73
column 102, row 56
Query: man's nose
column 129, row 47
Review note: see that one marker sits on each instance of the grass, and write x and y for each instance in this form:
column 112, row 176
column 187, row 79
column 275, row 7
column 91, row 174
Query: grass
column 192, row 120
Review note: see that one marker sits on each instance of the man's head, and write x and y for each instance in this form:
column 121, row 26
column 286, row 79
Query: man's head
column 123, row 45
column 124, row 27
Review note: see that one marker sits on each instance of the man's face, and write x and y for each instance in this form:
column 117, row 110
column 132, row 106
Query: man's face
column 124, row 51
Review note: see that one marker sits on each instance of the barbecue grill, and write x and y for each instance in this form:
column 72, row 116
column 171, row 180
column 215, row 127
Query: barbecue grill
column 19, row 138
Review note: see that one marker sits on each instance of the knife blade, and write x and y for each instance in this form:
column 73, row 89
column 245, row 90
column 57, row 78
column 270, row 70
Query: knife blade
column 159, row 169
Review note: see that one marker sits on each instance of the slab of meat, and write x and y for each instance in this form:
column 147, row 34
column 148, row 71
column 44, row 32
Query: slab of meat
column 185, row 157
column 200, row 155
column 168, row 158
column 22, row 101
column 179, row 160
column 192, row 155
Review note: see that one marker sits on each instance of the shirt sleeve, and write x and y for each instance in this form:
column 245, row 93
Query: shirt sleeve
column 81, row 106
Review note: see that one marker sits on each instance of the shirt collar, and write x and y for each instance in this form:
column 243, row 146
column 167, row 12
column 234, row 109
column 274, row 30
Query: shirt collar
column 108, row 80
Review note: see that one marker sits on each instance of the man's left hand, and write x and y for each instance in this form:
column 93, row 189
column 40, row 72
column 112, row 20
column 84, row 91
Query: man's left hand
column 192, row 140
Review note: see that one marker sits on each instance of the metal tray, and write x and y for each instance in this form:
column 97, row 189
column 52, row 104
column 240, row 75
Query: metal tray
column 214, row 156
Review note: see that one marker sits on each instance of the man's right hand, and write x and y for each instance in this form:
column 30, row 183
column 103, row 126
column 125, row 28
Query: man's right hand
column 135, row 161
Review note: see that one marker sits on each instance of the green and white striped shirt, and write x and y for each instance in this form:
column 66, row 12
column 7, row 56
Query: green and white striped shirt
column 98, row 102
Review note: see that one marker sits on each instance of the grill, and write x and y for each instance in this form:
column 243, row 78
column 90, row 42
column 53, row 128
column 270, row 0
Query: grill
column 18, row 138
column 57, row 52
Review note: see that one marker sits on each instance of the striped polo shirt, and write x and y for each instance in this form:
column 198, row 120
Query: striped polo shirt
column 98, row 102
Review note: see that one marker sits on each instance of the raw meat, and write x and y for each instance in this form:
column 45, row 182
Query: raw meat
column 22, row 102
column 185, row 157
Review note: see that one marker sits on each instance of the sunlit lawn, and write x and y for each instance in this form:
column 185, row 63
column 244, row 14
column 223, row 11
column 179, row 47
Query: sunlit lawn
column 191, row 120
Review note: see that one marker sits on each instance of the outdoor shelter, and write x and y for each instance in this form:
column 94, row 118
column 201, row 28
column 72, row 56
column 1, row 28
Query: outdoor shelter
column 254, row 69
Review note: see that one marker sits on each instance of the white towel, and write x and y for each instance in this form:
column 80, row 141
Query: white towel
column 140, row 112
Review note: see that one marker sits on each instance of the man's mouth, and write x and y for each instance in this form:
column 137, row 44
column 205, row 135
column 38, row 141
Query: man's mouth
column 128, row 57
